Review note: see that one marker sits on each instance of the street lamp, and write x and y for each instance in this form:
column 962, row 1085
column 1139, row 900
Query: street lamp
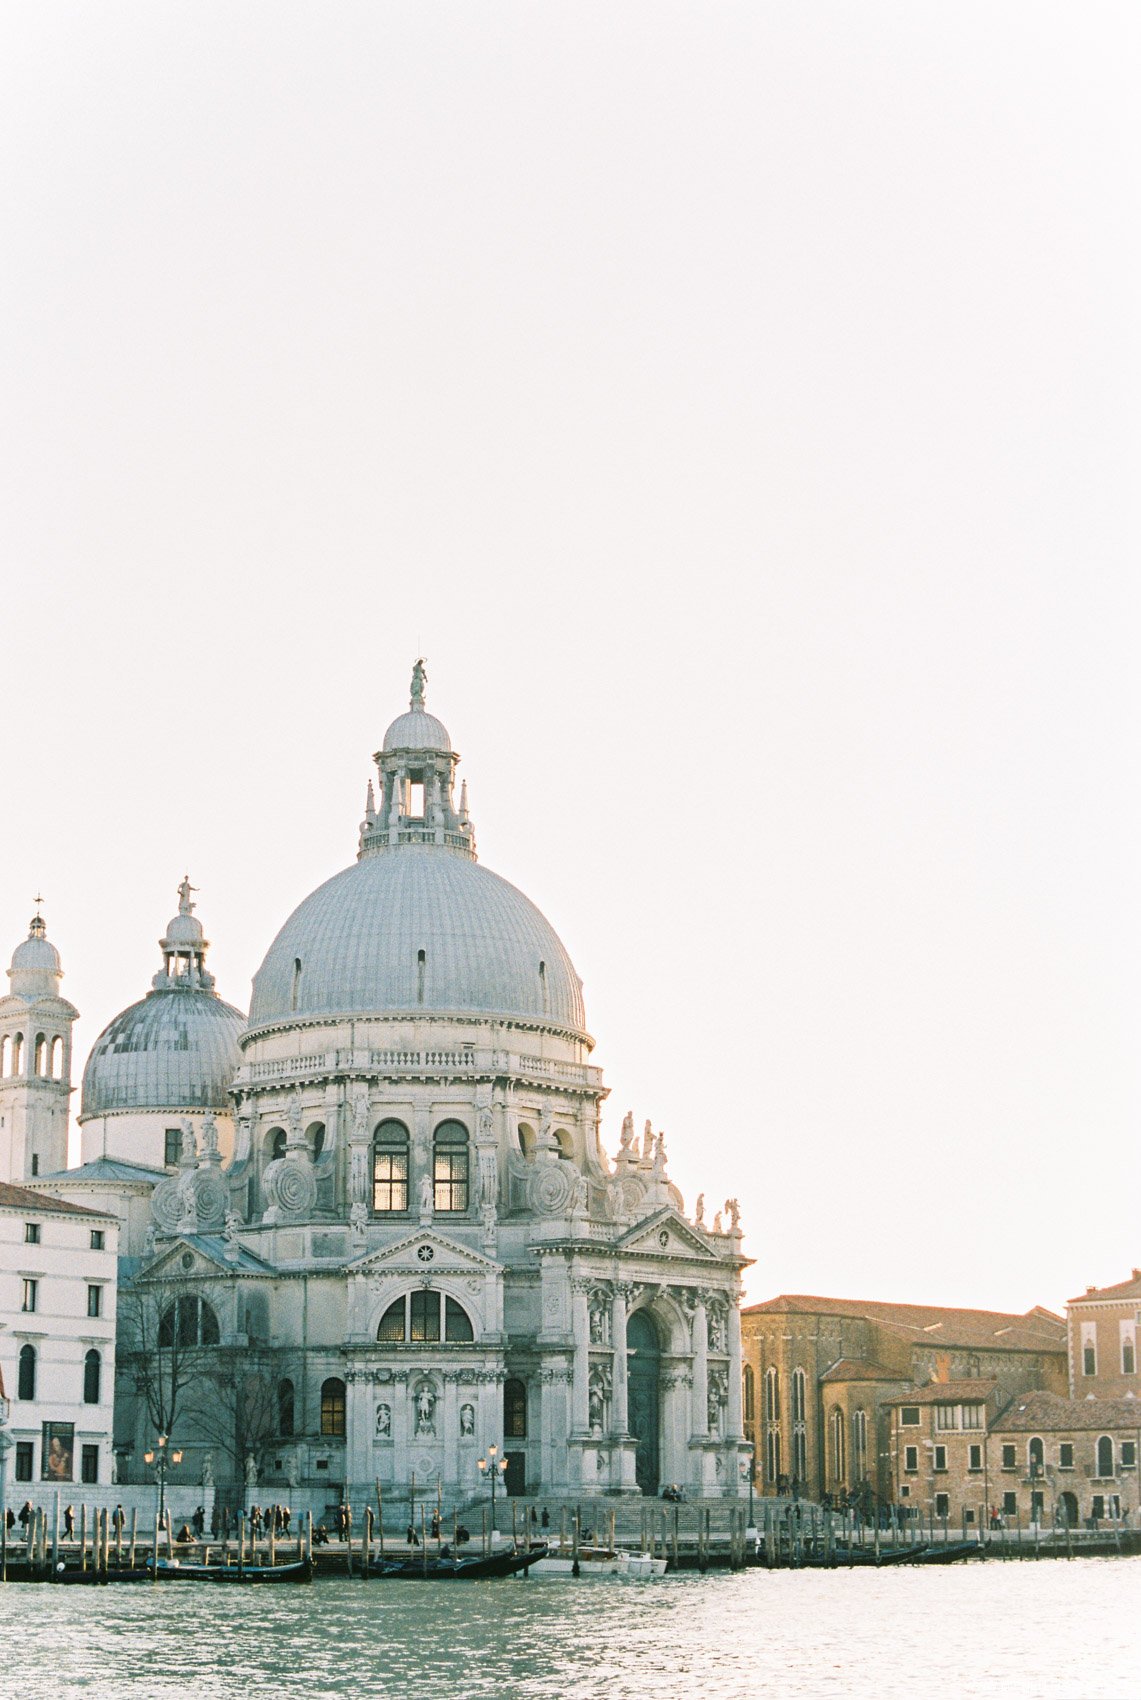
column 495, row 1468
column 163, row 1458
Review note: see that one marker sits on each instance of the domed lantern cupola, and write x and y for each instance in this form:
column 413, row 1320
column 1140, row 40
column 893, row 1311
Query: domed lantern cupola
column 184, row 948
column 416, row 766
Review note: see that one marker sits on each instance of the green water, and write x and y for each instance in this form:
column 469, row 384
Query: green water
column 1050, row 1631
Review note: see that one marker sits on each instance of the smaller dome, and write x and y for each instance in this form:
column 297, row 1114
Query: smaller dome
column 417, row 730
column 176, row 1050
column 36, row 968
column 184, row 930
column 37, row 954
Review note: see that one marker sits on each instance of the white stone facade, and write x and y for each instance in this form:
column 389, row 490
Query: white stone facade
column 416, row 1240
column 58, row 1285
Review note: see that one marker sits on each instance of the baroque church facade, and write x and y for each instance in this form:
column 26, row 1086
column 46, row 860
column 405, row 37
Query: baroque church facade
column 385, row 1189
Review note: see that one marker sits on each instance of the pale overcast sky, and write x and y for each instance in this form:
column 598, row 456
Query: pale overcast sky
column 738, row 406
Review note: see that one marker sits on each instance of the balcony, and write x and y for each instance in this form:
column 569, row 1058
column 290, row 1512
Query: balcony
column 465, row 1061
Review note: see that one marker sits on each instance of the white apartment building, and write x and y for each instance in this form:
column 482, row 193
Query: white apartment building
column 58, row 1288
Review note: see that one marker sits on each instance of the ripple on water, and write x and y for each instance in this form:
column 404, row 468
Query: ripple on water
column 1057, row 1631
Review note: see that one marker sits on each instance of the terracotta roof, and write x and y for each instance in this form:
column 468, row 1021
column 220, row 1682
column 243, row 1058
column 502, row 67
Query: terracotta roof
column 1036, row 1331
column 21, row 1198
column 1123, row 1290
column 1041, row 1410
column 861, row 1369
column 946, row 1393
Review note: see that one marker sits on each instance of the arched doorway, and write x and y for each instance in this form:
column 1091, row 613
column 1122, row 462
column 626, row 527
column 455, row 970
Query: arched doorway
column 643, row 1370
column 1068, row 1509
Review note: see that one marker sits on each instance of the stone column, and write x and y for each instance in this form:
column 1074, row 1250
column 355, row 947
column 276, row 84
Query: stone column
column 580, row 1402
column 733, row 1414
column 401, row 1463
column 699, row 1403
column 450, row 1429
column 358, row 1429
column 619, row 1413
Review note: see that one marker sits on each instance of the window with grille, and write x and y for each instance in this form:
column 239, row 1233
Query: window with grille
column 333, row 1407
column 390, row 1168
column 514, row 1410
column 425, row 1315
column 450, row 1168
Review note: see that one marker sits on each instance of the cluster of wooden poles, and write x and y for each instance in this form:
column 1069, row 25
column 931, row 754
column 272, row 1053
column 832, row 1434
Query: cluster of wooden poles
column 105, row 1547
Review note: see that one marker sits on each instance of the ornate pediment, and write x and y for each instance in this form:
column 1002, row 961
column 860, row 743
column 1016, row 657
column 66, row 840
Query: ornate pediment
column 425, row 1252
column 191, row 1257
column 667, row 1234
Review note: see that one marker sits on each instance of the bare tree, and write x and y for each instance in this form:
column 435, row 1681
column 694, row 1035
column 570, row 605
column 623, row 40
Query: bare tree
column 168, row 1332
column 235, row 1406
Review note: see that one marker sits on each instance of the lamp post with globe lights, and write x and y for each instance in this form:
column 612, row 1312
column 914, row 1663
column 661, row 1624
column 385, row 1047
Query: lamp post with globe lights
column 496, row 1468
column 163, row 1458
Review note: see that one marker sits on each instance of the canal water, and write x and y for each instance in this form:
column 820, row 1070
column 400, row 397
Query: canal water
column 1047, row 1631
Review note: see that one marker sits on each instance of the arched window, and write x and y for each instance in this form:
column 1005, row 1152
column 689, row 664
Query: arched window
column 772, row 1455
column 772, row 1395
column 457, row 1322
column 57, row 1058
column 390, row 1168
column 514, row 1410
column 525, row 1134
column 40, row 1055
column 393, row 1324
column 275, row 1143
column 92, row 1377
column 800, row 1453
column 1035, row 1456
column 839, row 1459
column 859, row 1446
column 450, row 1174
column 315, row 1134
column 188, row 1322
column 1105, row 1457
column 18, row 1054
column 285, row 1408
column 426, row 1317
column 333, row 1407
column 5, row 1054
column 749, row 1393
column 798, row 1387
column 26, row 1379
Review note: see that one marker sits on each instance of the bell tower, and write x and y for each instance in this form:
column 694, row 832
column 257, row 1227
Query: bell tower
column 35, row 1061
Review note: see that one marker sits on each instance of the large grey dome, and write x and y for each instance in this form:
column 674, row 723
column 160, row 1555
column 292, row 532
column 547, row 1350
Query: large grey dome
column 177, row 1049
column 358, row 942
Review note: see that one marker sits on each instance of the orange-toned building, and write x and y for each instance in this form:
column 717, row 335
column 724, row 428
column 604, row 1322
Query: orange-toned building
column 822, row 1376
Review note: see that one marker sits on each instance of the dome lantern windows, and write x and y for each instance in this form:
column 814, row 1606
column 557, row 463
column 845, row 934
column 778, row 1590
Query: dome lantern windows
column 450, row 1168
column 390, row 1169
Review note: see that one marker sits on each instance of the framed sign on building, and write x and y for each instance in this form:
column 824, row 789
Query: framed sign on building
column 57, row 1452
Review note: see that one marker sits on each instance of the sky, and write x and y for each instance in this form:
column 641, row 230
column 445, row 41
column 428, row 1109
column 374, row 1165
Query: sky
column 737, row 404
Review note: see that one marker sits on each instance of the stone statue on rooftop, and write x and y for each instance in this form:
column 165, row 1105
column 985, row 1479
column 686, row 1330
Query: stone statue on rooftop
column 419, row 680
column 185, row 907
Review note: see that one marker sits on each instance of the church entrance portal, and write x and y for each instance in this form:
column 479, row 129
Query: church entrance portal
column 515, row 1475
column 643, row 1368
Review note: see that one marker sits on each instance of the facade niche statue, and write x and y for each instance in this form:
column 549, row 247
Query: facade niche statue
column 383, row 1421
column 425, row 1411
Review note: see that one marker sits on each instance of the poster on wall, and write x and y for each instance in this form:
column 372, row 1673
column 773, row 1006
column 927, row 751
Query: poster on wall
column 58, row 1446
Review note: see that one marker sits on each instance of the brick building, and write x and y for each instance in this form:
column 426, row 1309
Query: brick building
column 822, row 1375
column 1103, row 1340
